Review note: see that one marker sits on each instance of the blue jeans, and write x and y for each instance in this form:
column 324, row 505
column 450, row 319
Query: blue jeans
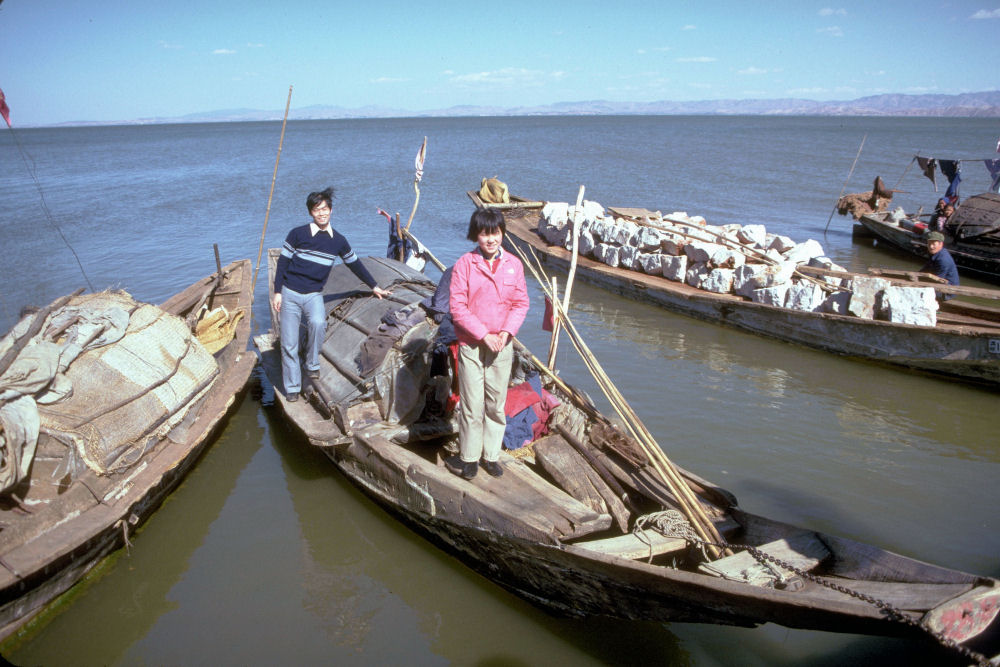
column 293, row 307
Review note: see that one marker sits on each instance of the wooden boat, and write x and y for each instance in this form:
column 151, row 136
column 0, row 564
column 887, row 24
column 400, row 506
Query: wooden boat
column 375, row 412
column 64, row 518
column 972, row 234
column 965, row 342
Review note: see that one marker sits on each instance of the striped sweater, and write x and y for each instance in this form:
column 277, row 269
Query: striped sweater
column 307, row 257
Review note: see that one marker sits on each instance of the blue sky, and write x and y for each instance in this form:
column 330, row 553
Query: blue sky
column 105, row 60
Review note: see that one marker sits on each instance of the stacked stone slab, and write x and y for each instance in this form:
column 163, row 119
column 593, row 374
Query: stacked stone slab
column 745, row 260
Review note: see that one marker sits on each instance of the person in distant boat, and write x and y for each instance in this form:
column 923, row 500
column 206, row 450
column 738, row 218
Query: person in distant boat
column 307, row 256
column 488, row 302
column 941, row 216
column 941, row 263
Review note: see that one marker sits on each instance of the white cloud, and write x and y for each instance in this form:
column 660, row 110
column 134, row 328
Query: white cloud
column 827, row 11
column 388, row 79
column 815, row 90
column 689, row 27
column 168, row 45
column 223, row 52
column 696, row 59
column 252, row 45
column 833, row 31
column 508, row 76
column 986, row 14
column 752, row 70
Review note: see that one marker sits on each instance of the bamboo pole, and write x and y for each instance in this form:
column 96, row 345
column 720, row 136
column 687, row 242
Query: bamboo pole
column 844, row 186
column 274, row 177
column 554, row 339
column 661, row 465
column 556, row 320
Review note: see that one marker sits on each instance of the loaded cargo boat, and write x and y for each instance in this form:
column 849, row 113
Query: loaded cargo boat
column 687, row 268
column 586, row 520
column 106, row 404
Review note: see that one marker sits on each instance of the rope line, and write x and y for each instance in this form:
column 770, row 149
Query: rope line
column 29, row 167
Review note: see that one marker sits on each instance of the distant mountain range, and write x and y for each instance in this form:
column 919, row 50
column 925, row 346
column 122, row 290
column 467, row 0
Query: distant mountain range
column 984, row 104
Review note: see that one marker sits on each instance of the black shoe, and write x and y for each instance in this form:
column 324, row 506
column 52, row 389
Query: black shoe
column 493, row 468
column 314, row 375
column 292, row 397
column 456, row 465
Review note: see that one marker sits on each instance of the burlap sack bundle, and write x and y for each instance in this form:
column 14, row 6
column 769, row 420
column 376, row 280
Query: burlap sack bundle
column 127, row 395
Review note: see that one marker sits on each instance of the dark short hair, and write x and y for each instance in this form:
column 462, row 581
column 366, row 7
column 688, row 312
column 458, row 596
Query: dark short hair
column 315, row 198
column 485, row 220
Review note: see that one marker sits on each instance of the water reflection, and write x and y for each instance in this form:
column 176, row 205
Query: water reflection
column 368, row 578
column 133, row 590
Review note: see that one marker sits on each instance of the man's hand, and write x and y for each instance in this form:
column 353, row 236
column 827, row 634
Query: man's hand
column 381, row 293
column 276, row 301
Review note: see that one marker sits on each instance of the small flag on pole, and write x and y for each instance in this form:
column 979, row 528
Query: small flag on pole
column 998, row 140
column 4, row 109
column 419, row 161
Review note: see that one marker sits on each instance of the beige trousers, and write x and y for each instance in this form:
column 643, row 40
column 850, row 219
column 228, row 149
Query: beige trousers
column 482, row 385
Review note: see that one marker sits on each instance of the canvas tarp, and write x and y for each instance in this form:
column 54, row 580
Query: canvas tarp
column 108, row 376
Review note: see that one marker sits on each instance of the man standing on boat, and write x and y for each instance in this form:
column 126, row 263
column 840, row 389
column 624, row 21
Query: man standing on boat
column 306, row 258
column 941, row 263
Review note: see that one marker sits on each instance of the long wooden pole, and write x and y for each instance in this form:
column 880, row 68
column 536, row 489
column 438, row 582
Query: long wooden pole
column 274, row 177
column 844, row 187
column 662, row 466
column 556, row 324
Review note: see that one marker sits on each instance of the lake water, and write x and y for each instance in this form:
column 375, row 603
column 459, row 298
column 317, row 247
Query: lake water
column 265, row 554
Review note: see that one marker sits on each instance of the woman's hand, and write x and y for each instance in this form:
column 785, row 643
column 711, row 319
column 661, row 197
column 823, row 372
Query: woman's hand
column 496, row 342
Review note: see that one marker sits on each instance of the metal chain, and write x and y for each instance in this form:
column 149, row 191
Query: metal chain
column 672, row 523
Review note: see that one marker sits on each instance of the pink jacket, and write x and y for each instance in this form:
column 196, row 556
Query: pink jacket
column 483, row 302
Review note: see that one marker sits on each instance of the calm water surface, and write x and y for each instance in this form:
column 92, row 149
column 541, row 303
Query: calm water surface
column 266, row 554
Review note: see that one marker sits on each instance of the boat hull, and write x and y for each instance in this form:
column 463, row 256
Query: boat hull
column 982, row 261
column 961, row 352
column 37, row 572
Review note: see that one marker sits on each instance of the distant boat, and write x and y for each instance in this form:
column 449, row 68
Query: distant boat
column 570, row 524
column 972, row 234
column 964, row 343
column 138, row 413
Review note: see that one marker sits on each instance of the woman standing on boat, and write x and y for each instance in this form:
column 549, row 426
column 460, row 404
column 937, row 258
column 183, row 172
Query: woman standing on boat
column 489, row 301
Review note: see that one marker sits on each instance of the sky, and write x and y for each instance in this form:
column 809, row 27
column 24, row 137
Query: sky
column 107, row 60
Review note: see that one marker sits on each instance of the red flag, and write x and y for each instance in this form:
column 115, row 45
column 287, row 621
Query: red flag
column 547, row 324
column 4, row 109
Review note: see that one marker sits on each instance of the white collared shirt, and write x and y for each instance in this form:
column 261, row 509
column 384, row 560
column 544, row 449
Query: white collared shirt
column 313, row 227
